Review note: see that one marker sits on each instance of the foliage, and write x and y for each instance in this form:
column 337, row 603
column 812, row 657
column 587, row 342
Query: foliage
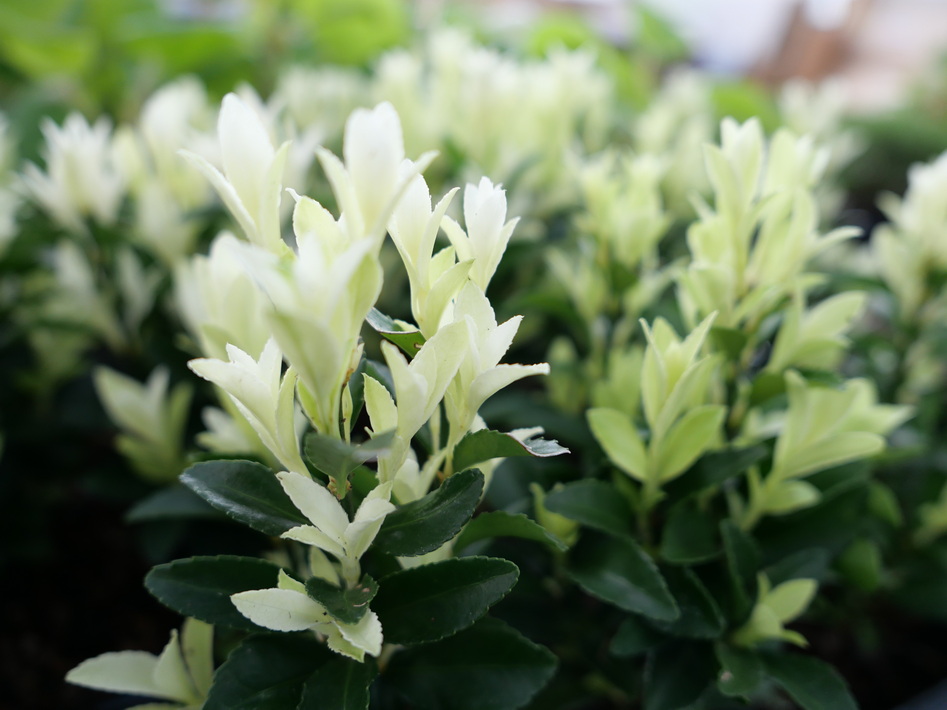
column 750, row 431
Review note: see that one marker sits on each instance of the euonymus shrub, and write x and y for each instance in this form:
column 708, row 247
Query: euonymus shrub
column 366, row 576
column 702, row 372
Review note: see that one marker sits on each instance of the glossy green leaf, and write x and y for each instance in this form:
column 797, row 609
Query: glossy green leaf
column 766, row 386
column 490, row 666
column 201, row 586
column 884, row 504
column 860, row 563
column 594, row 504
column 742, row 562
column 741, row 671
column 667, row 685
column 812, row 563
column 340, row 684
column 713, row 469
column 337, row 459
column 729, row 341
column 812, row 683
column 831, row 525
column 618, row 571
column 266, row 672
column 168, row 503
column 690, row 535
column 499, row 523
column 346, row 605
column 410, row 341
column 741, row 551
column 487, row 444
column 425, row 524
column 633, row 638
column 700, row 617
column 434, row 601
column 246, row 491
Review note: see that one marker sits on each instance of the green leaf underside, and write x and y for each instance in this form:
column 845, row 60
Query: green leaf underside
column 340, row 684
column 490, row 666
column 266, row 672
column 172, row 502
column 346, row 605
column 487, row 444
column 337, row 459
column 618, row 571
column 425, row 524
column 812, row 683
column 499, row 523
column 410, row 341
column 668, row 686
column 246, row 491
column 201, row 586
column 595, row 504
column 434, row 601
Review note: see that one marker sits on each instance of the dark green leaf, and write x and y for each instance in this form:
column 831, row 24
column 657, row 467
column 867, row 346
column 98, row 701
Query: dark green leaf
column 340, row 684
column 831, row 525
column 502, row 524
column 739, row 583
column 346, row 605
column 356, row 386
column 172, row 502
column 487, row 444
column 490, row 666
column 618, row 571
column 410, row 341
column 806, row 564
column 690, row 535
column 201, row 586
column 677, row 674
column 266, row 673
column 424, row 525
column 432, row 602
column 741, row 671
column 594, row 504
column 812, row 683
column 729, row 341
column 741, row 551
column 713, row 469
column 337, row 459
column 700, row 616
column 248, row 492
column 633, row 638
column 923, row 592
column 884, row 505
column 766, row 386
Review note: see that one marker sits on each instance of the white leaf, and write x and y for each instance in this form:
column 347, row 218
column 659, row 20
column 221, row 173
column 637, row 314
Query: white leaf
column 279, row 609
column 120, row 672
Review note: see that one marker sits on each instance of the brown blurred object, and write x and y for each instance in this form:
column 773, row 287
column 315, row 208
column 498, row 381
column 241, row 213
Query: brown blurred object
column 810, row 53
